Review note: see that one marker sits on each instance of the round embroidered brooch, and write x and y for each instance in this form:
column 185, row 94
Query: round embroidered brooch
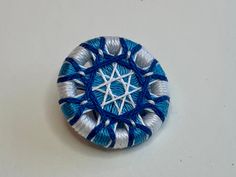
column 113, row 92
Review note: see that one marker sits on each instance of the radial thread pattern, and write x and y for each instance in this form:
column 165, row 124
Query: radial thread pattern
column 113, row 92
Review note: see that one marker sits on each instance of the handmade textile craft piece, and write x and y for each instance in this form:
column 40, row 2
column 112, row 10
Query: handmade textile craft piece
column 113, row 92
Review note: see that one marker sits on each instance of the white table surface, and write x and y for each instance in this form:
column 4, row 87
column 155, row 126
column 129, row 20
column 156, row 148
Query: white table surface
column 193, row 39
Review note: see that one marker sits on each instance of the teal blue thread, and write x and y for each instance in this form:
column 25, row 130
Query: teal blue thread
column 69, row 109
column 102, row 134
column 139, row 136
column 117, row 87
column 163, row 107
column 67, row 69
column 102, row 137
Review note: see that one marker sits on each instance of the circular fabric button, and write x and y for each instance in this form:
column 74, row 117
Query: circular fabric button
column 113, row 92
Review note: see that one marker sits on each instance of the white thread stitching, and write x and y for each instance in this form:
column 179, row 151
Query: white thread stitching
column 107, row 82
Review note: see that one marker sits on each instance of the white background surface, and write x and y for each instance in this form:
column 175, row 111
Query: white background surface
column 193, row 39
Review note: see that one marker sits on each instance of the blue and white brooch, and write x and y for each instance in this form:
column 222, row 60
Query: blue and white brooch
column 113, row 92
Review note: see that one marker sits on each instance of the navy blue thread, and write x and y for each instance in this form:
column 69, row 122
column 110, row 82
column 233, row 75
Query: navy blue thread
column 90, row 96
column 73, row 63
column 102, row 43
column 112, row 136
column 95, row 130
column 131, row 136
column 70, row 77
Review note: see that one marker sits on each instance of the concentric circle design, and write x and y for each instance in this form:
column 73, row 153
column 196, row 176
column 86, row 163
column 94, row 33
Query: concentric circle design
column 113, row 92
